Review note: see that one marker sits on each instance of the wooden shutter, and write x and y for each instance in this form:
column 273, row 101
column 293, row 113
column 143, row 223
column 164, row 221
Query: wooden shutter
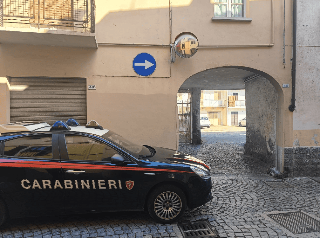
column 234, row 118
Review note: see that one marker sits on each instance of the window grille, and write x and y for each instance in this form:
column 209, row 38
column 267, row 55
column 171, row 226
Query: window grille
column 229, row 8
column 59, row 14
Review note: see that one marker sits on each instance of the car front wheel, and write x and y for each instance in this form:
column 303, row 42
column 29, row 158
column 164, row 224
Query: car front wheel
column 166, row 204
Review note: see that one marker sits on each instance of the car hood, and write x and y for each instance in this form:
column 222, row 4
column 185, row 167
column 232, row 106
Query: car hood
column 173, row 157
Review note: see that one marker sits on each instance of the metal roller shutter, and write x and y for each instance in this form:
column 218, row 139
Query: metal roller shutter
column 48, row 99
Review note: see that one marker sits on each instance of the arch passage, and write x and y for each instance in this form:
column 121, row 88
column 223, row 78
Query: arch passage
column 263, row 103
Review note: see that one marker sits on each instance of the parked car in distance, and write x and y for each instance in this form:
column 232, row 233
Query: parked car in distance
column 205, row 122
column 67, row 168
column 243, row 122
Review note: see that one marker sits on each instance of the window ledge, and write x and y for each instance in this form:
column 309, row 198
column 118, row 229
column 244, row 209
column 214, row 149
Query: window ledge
column 231, row 19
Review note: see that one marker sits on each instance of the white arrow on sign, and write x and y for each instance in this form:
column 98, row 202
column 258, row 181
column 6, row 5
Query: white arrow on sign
column 146, row 64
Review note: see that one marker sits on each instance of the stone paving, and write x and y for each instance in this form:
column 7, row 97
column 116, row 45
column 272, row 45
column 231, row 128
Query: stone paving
column 241, row 202
column 243, row 195
column 115, row 225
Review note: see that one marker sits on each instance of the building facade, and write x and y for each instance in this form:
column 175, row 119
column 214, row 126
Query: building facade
column 236, row 107
column 303, row 157
column 59, row 60
column 215, row 104
column 224, row 107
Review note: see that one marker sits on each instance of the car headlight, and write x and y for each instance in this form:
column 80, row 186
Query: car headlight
column 202, row 173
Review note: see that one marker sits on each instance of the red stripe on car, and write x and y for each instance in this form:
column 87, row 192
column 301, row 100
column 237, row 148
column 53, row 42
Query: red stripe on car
column 49, row 165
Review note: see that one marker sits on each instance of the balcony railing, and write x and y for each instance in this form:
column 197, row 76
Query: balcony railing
column 238, row 103
column 214, row 103
column 75, row 15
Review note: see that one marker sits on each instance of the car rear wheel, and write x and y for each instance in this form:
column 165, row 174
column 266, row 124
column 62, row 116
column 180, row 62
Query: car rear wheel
column 166, row 204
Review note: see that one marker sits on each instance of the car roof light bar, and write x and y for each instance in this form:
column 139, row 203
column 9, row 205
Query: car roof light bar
column 94, row 124
column 60, row 126
column 72, row 122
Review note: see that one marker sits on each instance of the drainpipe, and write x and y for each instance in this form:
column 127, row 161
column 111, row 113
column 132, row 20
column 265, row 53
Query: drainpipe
column 293, row 73
column 273, row 171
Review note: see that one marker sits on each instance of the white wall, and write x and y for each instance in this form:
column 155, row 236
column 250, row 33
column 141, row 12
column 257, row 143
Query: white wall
column 307, row 113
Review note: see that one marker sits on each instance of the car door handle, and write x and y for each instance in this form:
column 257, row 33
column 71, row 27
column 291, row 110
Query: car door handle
column 75, row 171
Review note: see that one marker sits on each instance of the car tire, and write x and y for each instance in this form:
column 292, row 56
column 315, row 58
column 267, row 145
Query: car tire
column 3, row 212
column 166, row 204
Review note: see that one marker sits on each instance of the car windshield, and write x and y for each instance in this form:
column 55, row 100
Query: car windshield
column 204, row 118
column 134, row 149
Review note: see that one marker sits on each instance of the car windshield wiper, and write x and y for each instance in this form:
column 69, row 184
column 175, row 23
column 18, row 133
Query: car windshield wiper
column 152, row 151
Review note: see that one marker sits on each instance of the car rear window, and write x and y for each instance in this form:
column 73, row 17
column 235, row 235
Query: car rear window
column 29, row 146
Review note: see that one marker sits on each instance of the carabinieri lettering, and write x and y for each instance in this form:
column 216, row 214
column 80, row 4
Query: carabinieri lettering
column 69, row 184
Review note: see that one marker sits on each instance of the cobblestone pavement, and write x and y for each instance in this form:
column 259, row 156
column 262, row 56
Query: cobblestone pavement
column 238, row 137
column 243, row 195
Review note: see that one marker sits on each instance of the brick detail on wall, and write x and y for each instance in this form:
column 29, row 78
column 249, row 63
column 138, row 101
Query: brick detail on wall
column 302, row 161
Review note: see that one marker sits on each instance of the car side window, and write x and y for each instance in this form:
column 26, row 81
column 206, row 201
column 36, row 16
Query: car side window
column 39, row 146
column 82, row 148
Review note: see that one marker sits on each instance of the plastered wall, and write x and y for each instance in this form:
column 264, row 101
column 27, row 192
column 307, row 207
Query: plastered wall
column 306, row 117
column 4, row 101
column 144, row 108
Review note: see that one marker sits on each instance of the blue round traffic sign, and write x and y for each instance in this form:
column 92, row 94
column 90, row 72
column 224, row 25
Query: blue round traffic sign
column 144, row 64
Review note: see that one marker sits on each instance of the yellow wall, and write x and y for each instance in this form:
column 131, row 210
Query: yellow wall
column 144, row 108
column 306, row 137
column 4, row 101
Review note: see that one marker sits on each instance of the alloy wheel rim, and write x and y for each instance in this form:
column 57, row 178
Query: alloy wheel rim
column 167, row 205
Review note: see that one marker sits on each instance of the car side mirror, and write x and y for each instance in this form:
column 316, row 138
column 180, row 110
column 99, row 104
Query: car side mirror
column 117, row 159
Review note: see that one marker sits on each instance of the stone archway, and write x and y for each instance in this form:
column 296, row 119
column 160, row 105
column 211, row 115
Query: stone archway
column 264, row 96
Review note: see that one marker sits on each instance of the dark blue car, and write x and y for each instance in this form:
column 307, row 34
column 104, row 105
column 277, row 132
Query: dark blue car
column 69, row 168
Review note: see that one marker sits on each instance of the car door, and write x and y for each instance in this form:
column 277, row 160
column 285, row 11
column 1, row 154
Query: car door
column 29, row 168
column 94, row 182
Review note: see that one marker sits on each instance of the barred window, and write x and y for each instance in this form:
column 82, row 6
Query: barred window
column 229, row 8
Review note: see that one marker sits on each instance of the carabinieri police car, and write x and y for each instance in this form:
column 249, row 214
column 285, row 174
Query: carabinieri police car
column 68, row 168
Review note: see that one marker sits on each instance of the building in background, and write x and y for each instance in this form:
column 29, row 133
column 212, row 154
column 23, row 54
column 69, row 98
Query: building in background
column 224, row 107
column 215, row 103
column 236, row 107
